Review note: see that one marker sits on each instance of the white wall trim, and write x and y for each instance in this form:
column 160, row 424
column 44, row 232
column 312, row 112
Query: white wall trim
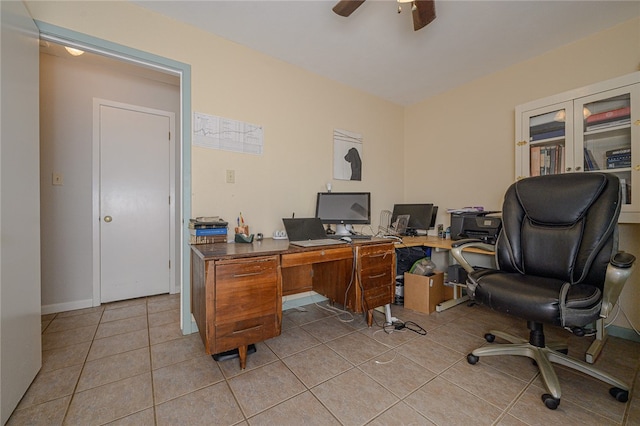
column 66, row 306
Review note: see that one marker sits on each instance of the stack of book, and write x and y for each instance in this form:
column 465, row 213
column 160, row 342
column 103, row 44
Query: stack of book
column 618, row 158
column 546, row 160
column 608, row 114
column 546, row 126
column 207, row 230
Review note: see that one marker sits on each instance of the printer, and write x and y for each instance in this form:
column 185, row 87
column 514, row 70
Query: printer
column 477, row 224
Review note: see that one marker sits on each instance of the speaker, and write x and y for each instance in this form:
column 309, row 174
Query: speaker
column 456, row 274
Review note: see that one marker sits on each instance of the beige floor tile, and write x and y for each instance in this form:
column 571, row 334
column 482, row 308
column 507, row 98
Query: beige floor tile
column 354, row 398
column 400, row 414
column 444, row 403
column 164, row 317
column 163, row 302
column 124, row 312
column 124, row 303
column 455, row 338
column 305, row 314
column 111, row 402
column 327, row 329
column 113, row 368
column 265, row 387
column 291, row 341
column 164, row 333
column 214, row 404
column 67, row 356
column 317, row 364
column 61, row 339
column 112, row 328
column 173, row 351
column 389, row 336
column 430, row 354
column 48, row 413
column 62, row 323
column 495, row 387
column 119, row 343
column 398, row 374
column 357, row 348
column 51, row 385
column 531, row 410
column 181, row 378
column 509, row 420
column 141, row 418
column 80, row 311
column 521, row 367
column 303, row 409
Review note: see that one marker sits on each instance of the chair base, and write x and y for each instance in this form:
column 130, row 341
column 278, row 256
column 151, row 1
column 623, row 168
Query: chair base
column 544, row 357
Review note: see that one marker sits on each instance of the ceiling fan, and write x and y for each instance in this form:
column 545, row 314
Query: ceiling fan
column 423, row 11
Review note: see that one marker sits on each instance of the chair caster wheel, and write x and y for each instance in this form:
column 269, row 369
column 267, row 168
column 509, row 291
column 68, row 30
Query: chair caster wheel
column 619, row 394
column 472, row 359
column 551, row 402
column 489, row 337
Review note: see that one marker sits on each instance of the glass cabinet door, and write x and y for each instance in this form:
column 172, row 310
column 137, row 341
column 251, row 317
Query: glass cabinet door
column 605, row 137
column 545, row 132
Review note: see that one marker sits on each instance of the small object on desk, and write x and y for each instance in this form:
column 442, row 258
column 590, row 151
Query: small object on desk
column 244, row 238
column 345, row 238
column 259, row 236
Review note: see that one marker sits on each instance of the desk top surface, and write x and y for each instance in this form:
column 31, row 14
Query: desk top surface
column 269, row 246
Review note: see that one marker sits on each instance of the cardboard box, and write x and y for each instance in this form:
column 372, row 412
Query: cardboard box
column 423, row 293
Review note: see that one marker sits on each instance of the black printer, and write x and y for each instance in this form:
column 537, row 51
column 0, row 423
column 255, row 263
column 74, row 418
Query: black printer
column 476, row 225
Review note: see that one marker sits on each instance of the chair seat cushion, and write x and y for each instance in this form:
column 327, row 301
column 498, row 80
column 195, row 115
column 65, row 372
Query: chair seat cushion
column 546, row 300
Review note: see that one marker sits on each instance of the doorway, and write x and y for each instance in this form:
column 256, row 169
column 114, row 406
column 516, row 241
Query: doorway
column 136, row 200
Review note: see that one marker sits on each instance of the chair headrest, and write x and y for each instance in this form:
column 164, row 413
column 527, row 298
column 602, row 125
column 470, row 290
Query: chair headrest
column 567, row 191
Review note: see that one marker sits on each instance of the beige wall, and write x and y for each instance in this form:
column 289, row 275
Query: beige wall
column 297, row 109
column 460, row 145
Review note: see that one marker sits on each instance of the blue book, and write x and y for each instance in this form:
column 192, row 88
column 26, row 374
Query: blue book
column 208, row 231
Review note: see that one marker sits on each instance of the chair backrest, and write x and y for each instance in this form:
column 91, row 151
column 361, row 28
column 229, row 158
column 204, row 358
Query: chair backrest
column 560, row 226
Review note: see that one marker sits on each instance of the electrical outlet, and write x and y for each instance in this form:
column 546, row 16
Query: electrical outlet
column 231, row 176
column 57, row 179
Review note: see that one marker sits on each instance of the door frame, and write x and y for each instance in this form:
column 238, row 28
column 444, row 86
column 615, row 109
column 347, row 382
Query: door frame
column 96, row 191
column 103, row 47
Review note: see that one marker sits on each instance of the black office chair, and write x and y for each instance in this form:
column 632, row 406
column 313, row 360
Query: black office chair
column 557, row 263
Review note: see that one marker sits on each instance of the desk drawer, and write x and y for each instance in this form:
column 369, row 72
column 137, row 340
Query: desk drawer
column 316, row 256
column 379, row 296
column 246, row 289
column 253, row 330
column 375, row 256
column 380, row 276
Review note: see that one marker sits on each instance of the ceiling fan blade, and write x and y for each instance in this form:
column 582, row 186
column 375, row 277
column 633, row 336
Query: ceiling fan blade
column 424, row 13
column 346, row 7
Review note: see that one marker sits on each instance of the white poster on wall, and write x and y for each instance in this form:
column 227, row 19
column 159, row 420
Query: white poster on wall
column 347, row 155
column 210, row 131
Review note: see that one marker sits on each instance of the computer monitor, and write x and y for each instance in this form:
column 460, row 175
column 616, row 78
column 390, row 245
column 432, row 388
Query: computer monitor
column 421, row 216
column 344, row 209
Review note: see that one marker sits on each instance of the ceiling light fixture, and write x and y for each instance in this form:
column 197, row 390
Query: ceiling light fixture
column 74, row 52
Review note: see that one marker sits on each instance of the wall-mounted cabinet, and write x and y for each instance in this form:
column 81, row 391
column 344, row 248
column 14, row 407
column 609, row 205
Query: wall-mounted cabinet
column 594, row 128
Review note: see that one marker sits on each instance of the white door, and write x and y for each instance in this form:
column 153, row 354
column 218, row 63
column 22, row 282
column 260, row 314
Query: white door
column 20, row 344
column 135, row 201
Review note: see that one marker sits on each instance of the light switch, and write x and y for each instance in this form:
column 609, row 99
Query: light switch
column 57, row 179
column 231, row 176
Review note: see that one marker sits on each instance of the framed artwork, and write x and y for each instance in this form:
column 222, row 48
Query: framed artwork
column 347, row 155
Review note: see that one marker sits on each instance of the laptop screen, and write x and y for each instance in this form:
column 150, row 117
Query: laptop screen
column 301, row 229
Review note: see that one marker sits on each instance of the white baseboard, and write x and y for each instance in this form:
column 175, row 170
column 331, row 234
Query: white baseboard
column 67, row 306
column 301, row 299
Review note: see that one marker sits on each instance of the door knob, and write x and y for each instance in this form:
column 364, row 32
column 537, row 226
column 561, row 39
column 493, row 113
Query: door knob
column 108, row 219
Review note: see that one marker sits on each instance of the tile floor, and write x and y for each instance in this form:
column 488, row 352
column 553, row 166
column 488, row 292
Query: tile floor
column 127, row 363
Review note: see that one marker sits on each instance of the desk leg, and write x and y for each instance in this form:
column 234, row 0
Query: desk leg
column 242, row 353
column 370, row 317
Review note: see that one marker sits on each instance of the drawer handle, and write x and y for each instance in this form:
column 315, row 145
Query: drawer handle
column 378, row 276
column 249, row 274
column 246, row 329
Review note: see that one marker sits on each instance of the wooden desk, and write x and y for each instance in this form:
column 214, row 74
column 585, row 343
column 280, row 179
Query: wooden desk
column 237, row 289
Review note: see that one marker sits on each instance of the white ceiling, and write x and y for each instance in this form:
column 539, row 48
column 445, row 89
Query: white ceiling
column 376, row 49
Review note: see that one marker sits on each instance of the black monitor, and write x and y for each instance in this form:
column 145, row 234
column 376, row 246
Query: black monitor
column 421, row 216
column 344, row 209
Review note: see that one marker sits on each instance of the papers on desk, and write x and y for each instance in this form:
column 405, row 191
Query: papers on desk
column 466, row 210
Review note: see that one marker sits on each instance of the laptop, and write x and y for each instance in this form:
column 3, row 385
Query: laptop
column 308, row 232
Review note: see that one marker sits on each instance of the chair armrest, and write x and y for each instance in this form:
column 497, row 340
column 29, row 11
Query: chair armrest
column 458, row 246
column 618, row 271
